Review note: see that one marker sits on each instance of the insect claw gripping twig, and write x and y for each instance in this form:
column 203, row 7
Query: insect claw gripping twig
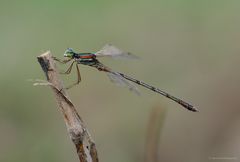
column 61, row 61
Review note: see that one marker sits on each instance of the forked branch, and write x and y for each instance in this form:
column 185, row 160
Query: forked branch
column 77, row 130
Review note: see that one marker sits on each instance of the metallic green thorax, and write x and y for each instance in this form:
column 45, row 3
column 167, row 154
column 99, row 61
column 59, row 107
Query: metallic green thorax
column 81, row 58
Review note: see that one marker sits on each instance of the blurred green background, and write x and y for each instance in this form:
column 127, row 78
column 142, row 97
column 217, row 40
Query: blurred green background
column 188, row 48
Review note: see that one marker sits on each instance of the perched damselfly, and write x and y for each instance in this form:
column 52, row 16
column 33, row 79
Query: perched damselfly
column 109, row 50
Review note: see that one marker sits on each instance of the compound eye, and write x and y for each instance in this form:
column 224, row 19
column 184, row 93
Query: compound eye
column 69, row 49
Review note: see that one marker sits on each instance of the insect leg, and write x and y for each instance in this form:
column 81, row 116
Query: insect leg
column 79, row 75
column 62, row 61
column 78, row 78
column 69, row 69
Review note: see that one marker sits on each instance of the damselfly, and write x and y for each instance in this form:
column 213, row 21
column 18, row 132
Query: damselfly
column 109, row 50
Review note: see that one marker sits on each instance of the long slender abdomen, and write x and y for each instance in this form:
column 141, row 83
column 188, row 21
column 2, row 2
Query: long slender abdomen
column 154, row 89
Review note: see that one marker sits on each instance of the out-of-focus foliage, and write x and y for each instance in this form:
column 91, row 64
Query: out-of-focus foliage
column 189, row 48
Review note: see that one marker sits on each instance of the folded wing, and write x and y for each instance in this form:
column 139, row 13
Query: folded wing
column 120, row 81
column 114, row 52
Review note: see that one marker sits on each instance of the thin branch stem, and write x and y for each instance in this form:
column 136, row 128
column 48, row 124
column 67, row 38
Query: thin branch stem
column 154, row 127
column 77, row 130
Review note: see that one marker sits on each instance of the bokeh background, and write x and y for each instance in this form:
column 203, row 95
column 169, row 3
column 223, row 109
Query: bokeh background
column 188, row 48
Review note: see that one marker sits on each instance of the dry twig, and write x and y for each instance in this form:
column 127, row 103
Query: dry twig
column 77, row 130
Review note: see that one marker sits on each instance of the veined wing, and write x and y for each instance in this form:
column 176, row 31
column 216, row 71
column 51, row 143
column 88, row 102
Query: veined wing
column 114, row 52
column 119, row 80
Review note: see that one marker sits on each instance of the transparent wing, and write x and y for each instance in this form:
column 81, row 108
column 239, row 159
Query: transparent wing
column 112, row 51
column 120, row 81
